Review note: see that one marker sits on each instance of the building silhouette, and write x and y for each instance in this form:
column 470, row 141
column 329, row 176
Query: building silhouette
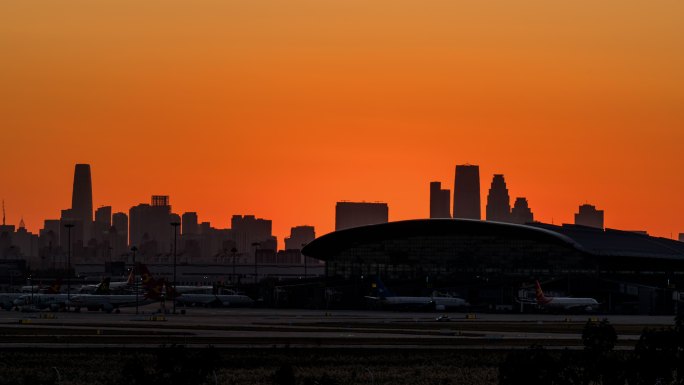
column 299, row 236
column 498, row 200
column 82, row 201
column 354, row 214
column 150, row 226
column 248, row 230
column 467, row 192
column 103, row 222
column 440, row 201
column 189, row 223
column 119, row 233
column 681, row 237
column 589, row 216
column 521, row 212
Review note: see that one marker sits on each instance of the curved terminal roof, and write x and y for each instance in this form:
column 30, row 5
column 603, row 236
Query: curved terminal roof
column 597, row 242
column 334, row 242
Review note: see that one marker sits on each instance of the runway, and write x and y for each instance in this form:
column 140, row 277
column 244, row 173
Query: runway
column 256, row 327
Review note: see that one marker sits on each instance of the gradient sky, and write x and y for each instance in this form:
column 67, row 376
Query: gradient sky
column 282, row 108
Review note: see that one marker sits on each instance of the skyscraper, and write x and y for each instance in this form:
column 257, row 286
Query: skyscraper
column 440, row 201
column 681, row 237
column 498, row 200
column 299, row 235
column 521, row 212
column 82, row 200
column 190, row 225
column 103, row 221
column 467, row 192
column 354, row 214
column 589, row 216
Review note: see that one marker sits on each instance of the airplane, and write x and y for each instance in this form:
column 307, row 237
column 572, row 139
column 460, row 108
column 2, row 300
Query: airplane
column 387, row 298
column 187, row 297
column 564, row 303
column 102, row 300
column 114, row 286
column 7, row 300
column 106, row 302
column 42, row 301
column 54, row 288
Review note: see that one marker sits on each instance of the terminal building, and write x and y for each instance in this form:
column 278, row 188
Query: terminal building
column 494, row 263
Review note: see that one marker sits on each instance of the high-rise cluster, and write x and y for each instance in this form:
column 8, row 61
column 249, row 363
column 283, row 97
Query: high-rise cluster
column 150, row 228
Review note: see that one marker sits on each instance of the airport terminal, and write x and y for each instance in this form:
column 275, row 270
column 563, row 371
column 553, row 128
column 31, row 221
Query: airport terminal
column 495, row 264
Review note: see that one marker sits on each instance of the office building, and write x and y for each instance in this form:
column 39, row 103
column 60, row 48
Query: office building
column 467, row 192
column 151, row 225
column 103, row 221
column 354, row 214
column 498, row 201
column 248, row 230
column 119, row 234
column 190, row 224
column 589, row 216
column 82, row 201
column 440, row 201
column 521, row 213
column 299, row 236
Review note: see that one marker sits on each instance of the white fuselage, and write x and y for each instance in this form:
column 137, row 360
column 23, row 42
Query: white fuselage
column 569, row 302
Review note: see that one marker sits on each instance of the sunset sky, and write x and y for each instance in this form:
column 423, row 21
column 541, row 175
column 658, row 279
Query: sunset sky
column 281, row 108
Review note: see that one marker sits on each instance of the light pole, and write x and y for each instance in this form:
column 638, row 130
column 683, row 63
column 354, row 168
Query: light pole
column 135, row 278
column 69, row 226
column 256, row 266
column 175, row 230
column 304, row 256
column 234, row 252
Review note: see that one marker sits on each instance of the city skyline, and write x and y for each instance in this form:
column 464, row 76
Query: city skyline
column 281, row 110
column 82, row 190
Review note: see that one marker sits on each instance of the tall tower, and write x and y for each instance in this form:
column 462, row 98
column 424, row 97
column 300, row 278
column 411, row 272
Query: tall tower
column 467, row 192
column 521, row 212
column 82, row 199
column 440, row 200
column 498, row 201
column 588, row 215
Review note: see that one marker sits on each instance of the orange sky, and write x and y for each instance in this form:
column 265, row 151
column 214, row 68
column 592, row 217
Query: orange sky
column 282, row 108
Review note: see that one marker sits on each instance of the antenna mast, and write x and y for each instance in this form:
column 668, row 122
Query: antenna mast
column 3, row 212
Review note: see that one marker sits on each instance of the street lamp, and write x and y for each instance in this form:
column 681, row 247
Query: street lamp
column 175, row 231
column 69, row 226
column 304, row 256
column 234, row 252
column 256, row 266
column 135, row 278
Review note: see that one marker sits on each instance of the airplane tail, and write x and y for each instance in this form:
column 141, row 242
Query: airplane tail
column 55, row 287
column 171, row 292
column 131, row 278
column 541, row 298
column 103, row 287
column 155, row 290
column 380, row 290
column 147, row 280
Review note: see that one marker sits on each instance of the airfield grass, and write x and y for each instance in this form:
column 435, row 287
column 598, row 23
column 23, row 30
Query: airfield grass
column 249, row 366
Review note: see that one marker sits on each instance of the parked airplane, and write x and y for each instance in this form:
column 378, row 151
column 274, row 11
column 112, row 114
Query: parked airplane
column 42, row 301
column 106, row 302
column 186, row 297
column 54, row 288
column 564, row 303
column 118, row 286
column 386, row 297
column 7, row 300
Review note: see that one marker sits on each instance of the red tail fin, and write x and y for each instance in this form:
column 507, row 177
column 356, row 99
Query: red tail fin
column 55, row 287
column 131, row 278
column 147, row 280
column 541, row 298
